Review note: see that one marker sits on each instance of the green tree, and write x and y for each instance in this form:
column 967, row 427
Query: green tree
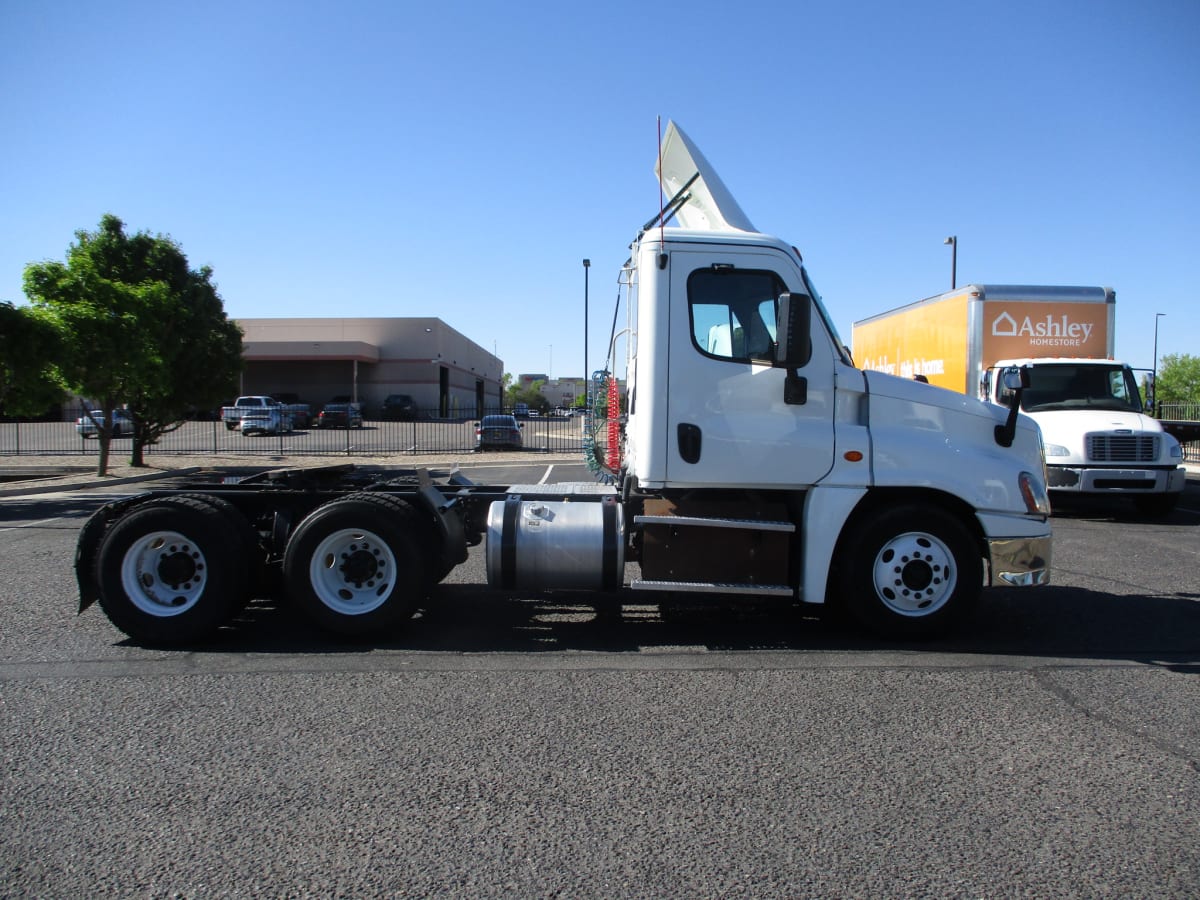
column 29, row 346
column 1178, row 379
column 531, row 396
column 140, row 330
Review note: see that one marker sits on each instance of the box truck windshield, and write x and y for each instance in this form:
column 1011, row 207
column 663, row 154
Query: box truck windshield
column 1070, row 386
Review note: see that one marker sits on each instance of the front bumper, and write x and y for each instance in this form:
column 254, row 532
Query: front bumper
column 1019, row 562
column 1115, row 481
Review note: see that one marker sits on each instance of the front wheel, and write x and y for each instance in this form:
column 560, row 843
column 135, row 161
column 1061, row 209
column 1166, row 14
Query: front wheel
column 354, row 566
column 909, row 572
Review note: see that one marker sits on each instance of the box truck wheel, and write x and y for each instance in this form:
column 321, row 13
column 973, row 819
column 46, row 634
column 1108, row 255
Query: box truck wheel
column 172, row 571
column 909, row 571
column 354, row 566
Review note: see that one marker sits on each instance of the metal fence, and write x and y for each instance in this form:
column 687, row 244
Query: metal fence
column 374, row 438
column 1181, row 412
column 425, row 434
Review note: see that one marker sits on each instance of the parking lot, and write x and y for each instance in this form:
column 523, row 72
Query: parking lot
column 532, row 744
column 542, row 434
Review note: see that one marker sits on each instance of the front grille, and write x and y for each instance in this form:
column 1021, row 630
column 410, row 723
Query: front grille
column 1122, row 448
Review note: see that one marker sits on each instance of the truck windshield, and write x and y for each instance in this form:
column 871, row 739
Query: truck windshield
column 837, row 340
column 1071, row 386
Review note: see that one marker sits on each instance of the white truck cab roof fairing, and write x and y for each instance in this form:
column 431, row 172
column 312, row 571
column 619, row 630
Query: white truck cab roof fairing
column 710, row 206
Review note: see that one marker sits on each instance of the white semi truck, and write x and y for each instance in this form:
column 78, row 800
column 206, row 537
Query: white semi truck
column 1096, row 436
column 756, row 461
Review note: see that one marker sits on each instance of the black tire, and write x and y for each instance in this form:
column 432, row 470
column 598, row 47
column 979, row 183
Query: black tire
column 230, row 426
column 1156, row 505
column 355, row 567
column 909, row 572
column 248, row 539
column 172, row 571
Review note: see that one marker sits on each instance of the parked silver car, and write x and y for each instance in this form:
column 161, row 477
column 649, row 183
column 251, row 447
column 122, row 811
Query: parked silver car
column 87, row 428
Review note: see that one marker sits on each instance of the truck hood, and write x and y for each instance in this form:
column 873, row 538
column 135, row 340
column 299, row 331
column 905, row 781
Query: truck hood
column 921, row 395
column 926, row 434
column 710, row 206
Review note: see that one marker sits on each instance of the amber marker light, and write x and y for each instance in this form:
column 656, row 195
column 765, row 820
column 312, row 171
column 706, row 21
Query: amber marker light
column 852, row 456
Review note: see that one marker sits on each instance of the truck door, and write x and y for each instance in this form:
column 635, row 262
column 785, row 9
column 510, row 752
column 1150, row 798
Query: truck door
column 728, row 422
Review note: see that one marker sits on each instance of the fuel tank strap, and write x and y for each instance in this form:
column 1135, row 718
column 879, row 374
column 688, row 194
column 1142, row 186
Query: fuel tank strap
column 508, row 543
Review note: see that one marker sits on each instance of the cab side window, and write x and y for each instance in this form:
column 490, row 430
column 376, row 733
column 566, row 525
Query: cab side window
column 733, row 312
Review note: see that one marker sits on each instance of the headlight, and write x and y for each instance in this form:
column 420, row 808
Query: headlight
column 1057, row 450
column 1033, row 492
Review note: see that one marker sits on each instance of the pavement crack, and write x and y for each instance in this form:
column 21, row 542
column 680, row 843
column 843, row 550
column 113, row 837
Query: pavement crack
column 1043, row 677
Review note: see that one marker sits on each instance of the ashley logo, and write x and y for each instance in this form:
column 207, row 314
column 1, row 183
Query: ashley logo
column 1049, row 327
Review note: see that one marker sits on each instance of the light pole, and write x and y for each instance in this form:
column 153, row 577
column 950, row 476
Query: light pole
column 953, row 242
column 587, row 399
column 1154, row 375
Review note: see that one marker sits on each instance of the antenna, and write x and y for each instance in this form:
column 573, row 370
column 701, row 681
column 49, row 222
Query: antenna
column 660, row 182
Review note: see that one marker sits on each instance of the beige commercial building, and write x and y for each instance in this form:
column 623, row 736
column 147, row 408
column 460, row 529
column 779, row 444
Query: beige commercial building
column 367, row 359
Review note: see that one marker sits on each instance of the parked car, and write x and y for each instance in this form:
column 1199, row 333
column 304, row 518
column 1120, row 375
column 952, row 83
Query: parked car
column 521, row 410
column 399, row 406
column 498, row 432
column 122, row 424
column 340, row 415
column 301, row 411
column 269, row 420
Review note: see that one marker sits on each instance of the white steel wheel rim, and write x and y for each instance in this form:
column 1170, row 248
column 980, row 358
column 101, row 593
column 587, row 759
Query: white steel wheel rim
column 914, row 574
column 353, row 571
column 164, row 573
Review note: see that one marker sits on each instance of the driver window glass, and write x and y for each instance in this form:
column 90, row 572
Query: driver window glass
column 733, row 313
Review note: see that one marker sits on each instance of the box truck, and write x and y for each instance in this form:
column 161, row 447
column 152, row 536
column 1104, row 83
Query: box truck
column 1097, row 439
column 754, row 460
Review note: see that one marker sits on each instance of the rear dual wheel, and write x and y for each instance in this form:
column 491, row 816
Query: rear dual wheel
column 356, row 566
column 175, row 569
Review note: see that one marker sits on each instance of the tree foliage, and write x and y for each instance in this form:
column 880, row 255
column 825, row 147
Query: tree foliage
column 140, row 330
column 531, row 396
column 28, row 346
column 1178, row 379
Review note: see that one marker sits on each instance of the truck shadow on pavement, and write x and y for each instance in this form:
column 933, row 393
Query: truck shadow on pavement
column 1051, row 622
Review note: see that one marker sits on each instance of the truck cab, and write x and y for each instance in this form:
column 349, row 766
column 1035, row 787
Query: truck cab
column 744, row 407
column 1097, row 439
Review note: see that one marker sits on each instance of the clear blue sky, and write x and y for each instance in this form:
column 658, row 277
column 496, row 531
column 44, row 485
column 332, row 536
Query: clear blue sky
column 461, row 159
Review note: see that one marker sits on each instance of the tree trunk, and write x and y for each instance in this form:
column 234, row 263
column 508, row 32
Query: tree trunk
column 104, row 436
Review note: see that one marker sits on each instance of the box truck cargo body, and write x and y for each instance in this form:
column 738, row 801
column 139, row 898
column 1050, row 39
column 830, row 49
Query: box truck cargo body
column 1096, row 437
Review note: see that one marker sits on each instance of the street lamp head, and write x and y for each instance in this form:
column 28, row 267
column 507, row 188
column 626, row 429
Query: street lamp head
column 587, row 263
column 950, row 240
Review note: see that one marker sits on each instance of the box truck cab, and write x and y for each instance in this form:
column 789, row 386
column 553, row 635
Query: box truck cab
column 1096, row 437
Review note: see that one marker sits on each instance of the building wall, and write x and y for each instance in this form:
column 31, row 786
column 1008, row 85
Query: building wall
column 319, row 358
